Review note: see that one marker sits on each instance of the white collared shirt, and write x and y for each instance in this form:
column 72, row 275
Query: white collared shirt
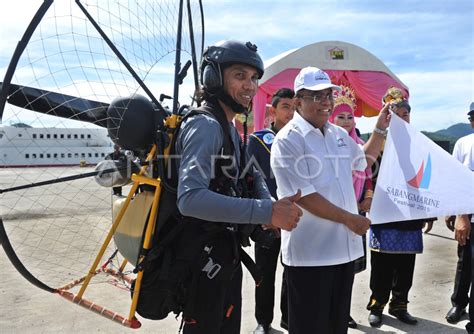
column 464, row 152
column 303, row 158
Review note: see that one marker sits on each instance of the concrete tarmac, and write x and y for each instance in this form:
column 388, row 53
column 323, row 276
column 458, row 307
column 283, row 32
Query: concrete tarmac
column 27, row 309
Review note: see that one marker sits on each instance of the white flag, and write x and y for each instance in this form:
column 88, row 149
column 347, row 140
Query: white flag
column 418, row 179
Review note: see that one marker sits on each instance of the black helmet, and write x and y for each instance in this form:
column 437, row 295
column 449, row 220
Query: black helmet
column 227, row 52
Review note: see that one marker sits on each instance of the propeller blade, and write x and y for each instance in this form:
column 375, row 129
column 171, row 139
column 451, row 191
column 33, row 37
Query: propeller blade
column 56, row 104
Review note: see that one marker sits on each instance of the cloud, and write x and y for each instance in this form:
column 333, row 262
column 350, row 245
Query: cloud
column 429, row 46
column 439, row 99
column 419, row 35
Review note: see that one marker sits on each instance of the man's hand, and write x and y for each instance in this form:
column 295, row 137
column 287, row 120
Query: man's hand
column 357, row 223
column 285, row 213
column 449, row 220
column 462, row 229
column 373, row 146
column 383, row 121
column 364, row 206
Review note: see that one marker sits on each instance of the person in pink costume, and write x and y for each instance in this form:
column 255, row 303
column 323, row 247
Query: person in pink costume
column 343, row 116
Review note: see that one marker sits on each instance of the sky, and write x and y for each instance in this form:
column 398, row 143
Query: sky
column 428, row 44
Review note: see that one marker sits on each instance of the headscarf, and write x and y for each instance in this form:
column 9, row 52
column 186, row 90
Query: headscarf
column 345, row 101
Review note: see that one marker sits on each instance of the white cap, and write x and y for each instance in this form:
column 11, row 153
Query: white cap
column 312, row 78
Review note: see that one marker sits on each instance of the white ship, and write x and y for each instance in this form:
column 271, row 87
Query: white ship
column 24, row 146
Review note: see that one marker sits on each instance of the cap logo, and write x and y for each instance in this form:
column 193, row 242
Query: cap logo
column 320, row 76
column 313, row 78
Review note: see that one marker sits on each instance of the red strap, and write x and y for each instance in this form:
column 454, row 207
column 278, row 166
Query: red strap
column 229, row 311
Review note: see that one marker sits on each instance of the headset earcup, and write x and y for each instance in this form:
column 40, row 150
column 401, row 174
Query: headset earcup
column 211, row 79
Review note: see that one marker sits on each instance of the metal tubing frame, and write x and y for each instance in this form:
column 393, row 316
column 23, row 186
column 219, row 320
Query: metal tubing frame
column 147, row 240
column 7, row 247
column 177, row 62
column 78, row 298
column 131, row 322
column 120, row 56
column 21, row 46
column 193, row 48
column 59, row 180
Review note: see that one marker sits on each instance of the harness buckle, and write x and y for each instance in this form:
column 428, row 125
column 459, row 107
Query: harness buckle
column 211, row 268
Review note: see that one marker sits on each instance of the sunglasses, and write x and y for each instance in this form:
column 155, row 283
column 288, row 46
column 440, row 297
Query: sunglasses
column 318, row 98
column 395, row 106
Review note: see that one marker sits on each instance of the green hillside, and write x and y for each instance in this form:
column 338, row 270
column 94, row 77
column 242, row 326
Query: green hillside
column 446, row 142
column 451, row 135
column 457, row 130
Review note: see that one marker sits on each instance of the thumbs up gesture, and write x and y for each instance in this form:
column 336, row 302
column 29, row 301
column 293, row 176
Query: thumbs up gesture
column 285, row 213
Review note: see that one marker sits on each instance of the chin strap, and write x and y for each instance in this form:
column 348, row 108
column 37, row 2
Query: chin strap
column 238, row 109
column 230, row 102
column 244, row 149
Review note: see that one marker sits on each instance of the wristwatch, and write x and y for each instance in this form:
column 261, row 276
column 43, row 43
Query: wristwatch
column 380, row 131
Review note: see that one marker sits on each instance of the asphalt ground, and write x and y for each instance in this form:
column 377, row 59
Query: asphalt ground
column 27, row 309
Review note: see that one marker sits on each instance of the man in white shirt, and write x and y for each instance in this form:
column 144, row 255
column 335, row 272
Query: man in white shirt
column 318, row 157
column 464, row 152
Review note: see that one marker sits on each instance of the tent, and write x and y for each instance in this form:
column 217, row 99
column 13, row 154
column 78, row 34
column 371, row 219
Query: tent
column 346, row 64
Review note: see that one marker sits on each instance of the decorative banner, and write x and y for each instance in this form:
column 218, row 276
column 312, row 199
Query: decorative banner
column 418, row 179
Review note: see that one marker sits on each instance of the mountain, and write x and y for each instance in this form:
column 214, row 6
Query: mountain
column 446, row 138
column 457, row 130
column 446, row 142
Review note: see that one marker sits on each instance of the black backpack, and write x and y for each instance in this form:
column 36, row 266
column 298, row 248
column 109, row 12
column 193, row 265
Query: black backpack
column 178, row 254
